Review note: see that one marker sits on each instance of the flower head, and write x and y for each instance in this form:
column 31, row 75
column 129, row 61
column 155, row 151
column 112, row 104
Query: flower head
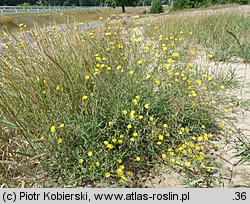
column 107, row 175
column 52, row 128
column 59, row 140
column 90, row 154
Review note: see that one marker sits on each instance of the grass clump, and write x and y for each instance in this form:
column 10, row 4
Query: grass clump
column 100, row 108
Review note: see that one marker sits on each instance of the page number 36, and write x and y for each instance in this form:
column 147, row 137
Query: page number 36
column 240, row 196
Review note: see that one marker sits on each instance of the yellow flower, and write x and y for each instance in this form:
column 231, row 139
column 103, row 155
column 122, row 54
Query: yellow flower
column 132, row 114
column 87, row 77
column 59, row 140
column 84, row 97
column 105, row 142
column 164, row 156
column 221, row 124
column 140, row 117
column 160, row 137
column 131, row 72
column 130, row 173
column 139, row 62
column 110, row 146
column 100, row 18
column 151, row 119
column 135, row 134
column 187, row 164
column 225, row 110
column 58, row 88
column 80, row 161
column 137, row 159
column 148, row 76
column 135, row 102
column 209, row 56
column 200, row 139
column 114, row 140
column 123, row 178
column 157, row 82
column 192, row 52
column 132, row 139
column 205, row 137
column 171, row 153
column 120, row 172
column 175, row 54
column 165, row 125
column 222, row 86
column 146, row 106
column 136, row 17
column 122, row 136
column 90, row 154
column 170, row 60
column 129, row 126
column 97, row 163
column 120, row 141
column 119, row 161
column 52, row 128
column 118, row 67
column 62, row 125
column 208, row 169
column 198, row 81
column 125, row 112
column 158, row 143
column 107, row 175
column 172, row 160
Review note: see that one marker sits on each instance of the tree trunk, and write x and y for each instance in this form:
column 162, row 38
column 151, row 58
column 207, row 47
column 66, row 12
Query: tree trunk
column 123, row 9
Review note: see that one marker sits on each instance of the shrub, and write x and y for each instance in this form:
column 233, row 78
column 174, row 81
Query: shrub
column 26, row 6
column 186, row 4
column 156, row 7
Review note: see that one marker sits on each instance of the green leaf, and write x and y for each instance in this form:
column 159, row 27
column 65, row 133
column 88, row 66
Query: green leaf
column 23, row 154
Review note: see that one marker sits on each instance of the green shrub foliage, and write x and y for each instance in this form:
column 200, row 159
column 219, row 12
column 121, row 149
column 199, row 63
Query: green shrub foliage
column 185, row 4
column 156, row 7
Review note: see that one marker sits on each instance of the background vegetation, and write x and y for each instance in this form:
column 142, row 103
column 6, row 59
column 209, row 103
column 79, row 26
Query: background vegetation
column 156, row 7
column 185, row 4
